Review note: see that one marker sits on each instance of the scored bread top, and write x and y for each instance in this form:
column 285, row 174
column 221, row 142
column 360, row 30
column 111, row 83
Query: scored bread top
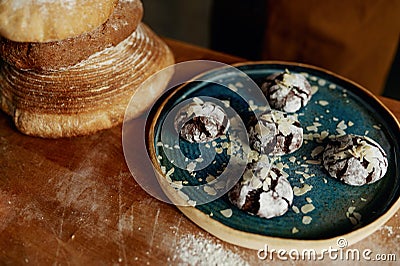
column 51, row 20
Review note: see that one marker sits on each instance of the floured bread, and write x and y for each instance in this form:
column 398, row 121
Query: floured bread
column 89, row 96
column 51, row 20
column 60, row 54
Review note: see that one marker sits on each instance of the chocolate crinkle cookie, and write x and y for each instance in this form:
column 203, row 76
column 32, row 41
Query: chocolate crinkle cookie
column 261, row 192
column 276, row 133
column 200, row 121
column 286, row 91
column 355, row 160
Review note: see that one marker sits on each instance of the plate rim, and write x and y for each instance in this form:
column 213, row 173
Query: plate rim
column 256, row 241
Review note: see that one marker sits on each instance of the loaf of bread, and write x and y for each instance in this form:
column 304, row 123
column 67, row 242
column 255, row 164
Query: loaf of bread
column 88, row 89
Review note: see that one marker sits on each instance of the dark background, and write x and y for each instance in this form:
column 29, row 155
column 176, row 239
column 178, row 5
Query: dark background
column 237, row 29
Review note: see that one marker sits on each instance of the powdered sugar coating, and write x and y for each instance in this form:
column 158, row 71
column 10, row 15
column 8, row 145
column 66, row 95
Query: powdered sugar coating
column 269, row 195
column 286, row 91
column 355, row 160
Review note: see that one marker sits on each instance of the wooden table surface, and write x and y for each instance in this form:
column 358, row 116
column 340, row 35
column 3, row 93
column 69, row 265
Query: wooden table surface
column 74, row 202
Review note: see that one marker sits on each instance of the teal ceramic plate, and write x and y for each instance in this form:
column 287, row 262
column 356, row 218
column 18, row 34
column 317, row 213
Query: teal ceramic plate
column 340, row 210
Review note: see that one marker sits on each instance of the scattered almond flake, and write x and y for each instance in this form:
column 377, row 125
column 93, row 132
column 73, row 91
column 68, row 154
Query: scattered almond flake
column 351, row 209
column 159, row 157
column 341, row 132
column 177, row 184
column 325, row 180
column 214, row 143
column 191, row 166
column 347, row 101
column 321, row 82
column 183, row 195
column 163, row 169
column 342, row 125
column 335, row 119
column 304, row 158
column 227, row 213
column 200, row 179
column 324, row 134
column 222, row 137
column 350, row 124
column 357, row 216
column 314, row 89
column 301, row 191
column 323, row 102
column 366, row 132
column 308, row 199
column 292, row 159
column 298, row 162
column 376, row 127
column 159, row 144
column 316, row 151
column 279, row 165
column 332, row 86
column 314, row 162
column 312, row 128
column 299, row 172
column 344, row 95
column 317, row 124
column 166, row 145
column 295, row 230
column 186, row 159
column 193, row 174
column 210, row 178
column 185, row 182
column 199, row 160
column 170, row 172
column 306, row 176
column 176, row 146
column 207, row 146
column 192, row 203
column 306, row 220
column 307, row 208
column 197, row 100
column 353, row 220
column 225, row 145
column 210, row 190
column 305, row 74
column 306, row 170
column 363, row 199
column 226, row 103
column 295, row 209
column 301, row 180
column 211, row 214
column 316, row 119
column 232, row 87
column 308, row 136
column 327, row 111
column 239, row 84
column 313, row 78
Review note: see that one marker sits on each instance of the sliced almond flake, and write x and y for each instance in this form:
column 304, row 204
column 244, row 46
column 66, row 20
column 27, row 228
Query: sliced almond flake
column 292, row 159
column 183, row 195
column 207, row 146
column 170, row 172
column 304, row 165
column 177, row 184
column 303, row 190
column 332, row 86
column 306, row 170
column 301, row 180
column 317, row 124
column 342, row 125
column 366, row 132
column 306, row 176
column 211, row 214
column 210, row 178
column 323, row 102
column 350, row 123
column 316, row 119
column 316, row 151
column 363, row 199
column 185, row 182
column 312, row 128
column 304, row 158
column 307, row 208
column 299, row 172
column 279, row 165
column 325, row 180
column 295, row 230
column 159, row 144
column 199, row 160
column 214, row 143
column 313, row 78
column 314, row 162
column 192, row 203
column 227, row 213
column 308, row 199
column 191, row 166
column 341, row 132
column 210, row 190
column 169, row 180
column 351, row 209
column 321, row 82
column 159, row 157
column 166, row 145
column 327, row 111
column 306, row 220
column 314, row 89
column 308, row 136
column 357, row 216
column 376, row 127
column 163, row 169
column 353, row 220
column 226, row 103
column 335, row 119
column 344, row 95
column 295, row 209
column 176, row 146
column 198, row 100
column 324, row 134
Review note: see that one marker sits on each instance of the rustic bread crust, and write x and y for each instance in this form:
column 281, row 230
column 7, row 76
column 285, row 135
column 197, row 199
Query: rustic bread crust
column 56, row 55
